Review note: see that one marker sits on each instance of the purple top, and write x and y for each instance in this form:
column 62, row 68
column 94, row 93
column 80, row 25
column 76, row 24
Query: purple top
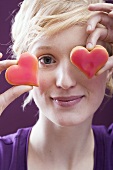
column 14, row 147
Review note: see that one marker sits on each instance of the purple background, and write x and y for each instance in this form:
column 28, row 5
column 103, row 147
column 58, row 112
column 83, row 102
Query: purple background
column 13, row 117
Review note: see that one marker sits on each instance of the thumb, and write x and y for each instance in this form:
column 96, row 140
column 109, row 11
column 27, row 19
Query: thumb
column 11, row 94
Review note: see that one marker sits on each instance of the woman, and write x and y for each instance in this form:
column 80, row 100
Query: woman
column 63, row 137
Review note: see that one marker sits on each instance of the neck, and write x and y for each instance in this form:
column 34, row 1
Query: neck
column 54, row 141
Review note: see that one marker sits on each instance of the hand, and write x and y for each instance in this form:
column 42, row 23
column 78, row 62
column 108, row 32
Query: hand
column 104, row 17
column 7, row 97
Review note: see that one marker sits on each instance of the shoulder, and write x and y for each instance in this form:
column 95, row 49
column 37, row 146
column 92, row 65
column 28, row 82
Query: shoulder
column 13, row 145
column 12, row 138
column 103, row 147
column 103, row 132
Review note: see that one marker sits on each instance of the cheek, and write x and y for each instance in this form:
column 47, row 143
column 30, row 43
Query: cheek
column 95, row 91
column 100, row 83
column 97, row 87
column 41, row 93
column 46, row 81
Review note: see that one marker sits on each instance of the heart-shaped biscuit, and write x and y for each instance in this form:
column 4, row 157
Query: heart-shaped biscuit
column 25, row 72
column 89, row 62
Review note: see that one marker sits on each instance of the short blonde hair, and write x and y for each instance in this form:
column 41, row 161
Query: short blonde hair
column 37, row 18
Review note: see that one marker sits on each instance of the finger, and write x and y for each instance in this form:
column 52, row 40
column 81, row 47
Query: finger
column 107, row 66
column 92, row 23
column 6, row 63
column 1, row 55
column 105, row 7
column 101, row 18
column 98, row 34
column 111, row 14
column 10, row 95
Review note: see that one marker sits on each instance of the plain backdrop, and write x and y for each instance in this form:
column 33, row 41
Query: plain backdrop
column 14, row 117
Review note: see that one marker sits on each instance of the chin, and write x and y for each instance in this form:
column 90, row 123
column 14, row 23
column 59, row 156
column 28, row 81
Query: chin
column 72, row 122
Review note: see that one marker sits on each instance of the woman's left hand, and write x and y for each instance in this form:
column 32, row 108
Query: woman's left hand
column 105, row 33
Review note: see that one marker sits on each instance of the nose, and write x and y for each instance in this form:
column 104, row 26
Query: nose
column 66, row 78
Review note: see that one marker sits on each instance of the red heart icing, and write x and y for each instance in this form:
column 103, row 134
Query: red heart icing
column 25, row 72
column 89, row 62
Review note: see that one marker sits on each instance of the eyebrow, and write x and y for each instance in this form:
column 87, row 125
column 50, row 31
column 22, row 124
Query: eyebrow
column 47, row 47
column 44, row 47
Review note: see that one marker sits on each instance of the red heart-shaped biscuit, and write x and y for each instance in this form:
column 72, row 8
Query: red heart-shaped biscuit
column 89, row 62
column 25, row 72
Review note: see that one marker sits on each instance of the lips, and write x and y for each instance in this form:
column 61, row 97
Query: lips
column 67, row 101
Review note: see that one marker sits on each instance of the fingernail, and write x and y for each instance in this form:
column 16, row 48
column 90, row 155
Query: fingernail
column 89, row 28
column 89, row 46
column 98, row 73
column 1, row 54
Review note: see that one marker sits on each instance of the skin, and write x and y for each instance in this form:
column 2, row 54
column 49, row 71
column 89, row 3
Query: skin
column 61, row 121
column 105, row 17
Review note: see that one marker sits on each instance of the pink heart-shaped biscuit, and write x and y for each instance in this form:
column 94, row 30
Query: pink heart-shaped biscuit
column 25, row 72
column 89, row 62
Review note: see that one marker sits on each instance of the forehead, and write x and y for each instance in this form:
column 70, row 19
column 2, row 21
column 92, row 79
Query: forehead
column 65, row 39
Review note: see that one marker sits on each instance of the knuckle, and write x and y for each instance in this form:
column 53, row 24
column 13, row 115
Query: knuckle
column 14, row 93
column 2, row 104
column 2, row 66
column 1, row 110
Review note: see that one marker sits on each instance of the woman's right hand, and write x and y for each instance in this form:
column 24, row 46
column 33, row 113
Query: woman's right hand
column 104, row 16
column 11, row 94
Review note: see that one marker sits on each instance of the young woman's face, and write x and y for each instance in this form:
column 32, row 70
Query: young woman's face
column 65, row 95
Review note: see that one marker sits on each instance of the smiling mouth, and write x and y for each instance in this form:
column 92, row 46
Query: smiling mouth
column 67, row 101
